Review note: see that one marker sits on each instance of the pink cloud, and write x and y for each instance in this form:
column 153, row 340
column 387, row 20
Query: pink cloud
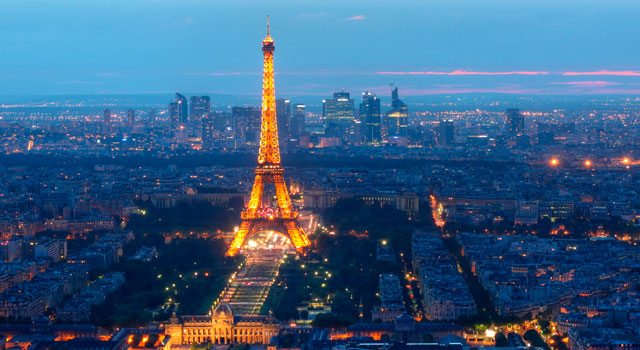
column 622, row 73
column 357, row 18
column 598, row 83
column 464, row 72
column 461, row 90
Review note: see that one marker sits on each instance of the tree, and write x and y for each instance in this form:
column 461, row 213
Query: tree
column 533, row 337
column 501, row 340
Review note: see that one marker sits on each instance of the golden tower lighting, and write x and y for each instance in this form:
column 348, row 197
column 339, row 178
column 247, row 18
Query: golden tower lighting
column 256, row 217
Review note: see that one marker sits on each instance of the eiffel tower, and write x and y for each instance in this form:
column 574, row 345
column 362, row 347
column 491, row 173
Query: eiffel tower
column 257, row 217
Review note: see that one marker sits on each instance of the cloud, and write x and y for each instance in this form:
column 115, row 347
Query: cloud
column 357, row 18
column 312, row 15
column 453, row 91
column 463, row 72
column 597, row 83
column 621, row 73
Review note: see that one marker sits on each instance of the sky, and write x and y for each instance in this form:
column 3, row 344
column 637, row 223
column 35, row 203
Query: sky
column 425, row 47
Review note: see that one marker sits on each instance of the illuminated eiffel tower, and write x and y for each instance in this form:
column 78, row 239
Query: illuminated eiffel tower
column 257, row 217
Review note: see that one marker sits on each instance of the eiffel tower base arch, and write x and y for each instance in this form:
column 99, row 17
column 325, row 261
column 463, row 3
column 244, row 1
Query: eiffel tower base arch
column 288, row 227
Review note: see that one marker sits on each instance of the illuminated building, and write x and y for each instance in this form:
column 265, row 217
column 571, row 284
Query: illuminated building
column 370, row 114
column 296, row 127
column 338, row 115
column 446, row 133
column 258, row 216
column 208, row 131
column 200, row 106
column 178, row 111
column 106, row 121
column 404, row 328
column 515, row 122
column 246, row 123
column 320, row 199
column 131, row 117
column 222, row 327
column 397, row 117
column 527, row 213
column 283, row 114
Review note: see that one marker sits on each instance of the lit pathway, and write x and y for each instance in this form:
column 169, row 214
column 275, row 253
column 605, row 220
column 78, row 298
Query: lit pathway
column 247, row 291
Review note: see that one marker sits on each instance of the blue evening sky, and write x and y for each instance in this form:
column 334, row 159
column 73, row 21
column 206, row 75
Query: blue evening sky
column 424, row 46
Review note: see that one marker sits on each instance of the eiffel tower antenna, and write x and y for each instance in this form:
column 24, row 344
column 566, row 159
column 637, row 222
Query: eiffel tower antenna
column 268, row 27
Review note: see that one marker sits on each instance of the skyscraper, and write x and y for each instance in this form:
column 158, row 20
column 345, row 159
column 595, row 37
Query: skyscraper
column 338, row 110
column 283, row 113
column 370, row 114
column 131, row 117
column 208, row 131
column 106, row 121
column 178, row 114
column 515, row 122
column 200, row 106
column 338, row 114
column 397, row 117
column 446, row 133
column 246, row 123
column 297, row 121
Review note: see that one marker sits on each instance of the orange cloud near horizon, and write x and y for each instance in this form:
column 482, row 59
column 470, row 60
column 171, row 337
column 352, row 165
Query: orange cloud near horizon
column 463, row 72
column 619, row 73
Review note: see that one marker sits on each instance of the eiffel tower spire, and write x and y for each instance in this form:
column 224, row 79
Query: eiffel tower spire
column 256, row 218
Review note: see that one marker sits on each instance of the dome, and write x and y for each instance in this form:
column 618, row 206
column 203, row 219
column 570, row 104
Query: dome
column 222, row 310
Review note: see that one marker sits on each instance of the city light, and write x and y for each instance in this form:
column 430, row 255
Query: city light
column 493, row 214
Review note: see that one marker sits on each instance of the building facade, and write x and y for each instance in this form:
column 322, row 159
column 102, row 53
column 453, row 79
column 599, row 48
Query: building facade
column 222, row 327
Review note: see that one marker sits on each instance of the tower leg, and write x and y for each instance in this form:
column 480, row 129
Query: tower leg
column 257, row 191
column 298, row 238
column 282, row 195
column 238, row 240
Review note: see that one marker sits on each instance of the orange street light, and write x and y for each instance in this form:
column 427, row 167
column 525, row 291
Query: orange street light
column 588, row 163
column 554, row 162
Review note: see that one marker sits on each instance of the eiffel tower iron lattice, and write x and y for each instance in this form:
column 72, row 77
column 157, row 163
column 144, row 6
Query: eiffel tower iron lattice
column 255, row 217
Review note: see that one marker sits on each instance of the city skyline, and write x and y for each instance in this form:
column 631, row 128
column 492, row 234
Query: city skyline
column 532, row 47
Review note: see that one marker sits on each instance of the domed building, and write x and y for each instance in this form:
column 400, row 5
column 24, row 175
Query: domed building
column 222, row 327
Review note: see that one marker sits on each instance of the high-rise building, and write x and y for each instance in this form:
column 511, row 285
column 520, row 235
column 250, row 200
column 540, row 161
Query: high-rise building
column 515, row 122
column 283, row 113
column 131, row 117
column 446, row 133
column 397, row 117
column 200, row 106
column 246, row 123
column 106, row 121
column 338, row 110
column 297, row 121
column 370, row 114
column 208, row 131
column 178, row 114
